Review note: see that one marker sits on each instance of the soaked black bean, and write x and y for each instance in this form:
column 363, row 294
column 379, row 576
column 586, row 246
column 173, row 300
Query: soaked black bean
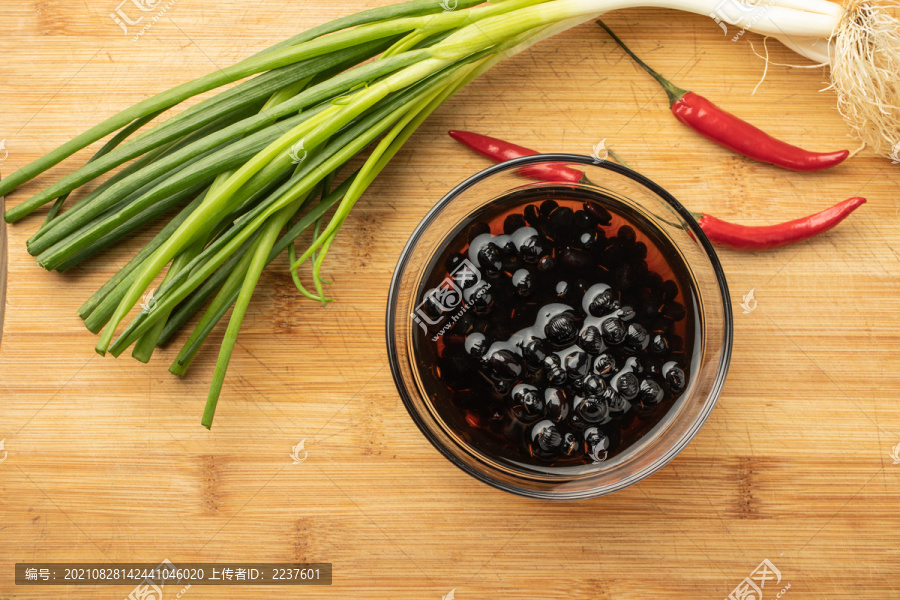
column 639, row 250
column 576, row 259
column 659, row 343
column 476, row 345
column 603, row 302
column 599, row 213
column 613, row 331
column 605, row 365
column 565, row 348
column 585, row 221
column 556, row 404
column 591, row 409
column 674, row 310
column 513, row 223
column 571, row 446
column 523, row 282
column 547, row 207
column 527, row 404
column 591, row 340
column 626, row 234
column 545, row 438
column 593, row 385
column 505, row 365
column 670, row 290
column 561, row 224
column 532, row 216
column 587, row 240
column 651, row 392
column 674, row 376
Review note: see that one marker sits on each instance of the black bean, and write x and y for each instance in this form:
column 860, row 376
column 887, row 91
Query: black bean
column 512, row 223
column 613, row 331
column 557, row 404
column 626, row 234
column 670, row 290
column 602, row 215
column 584, row 221
column 532, row 217
column 605, row 365
column 545, row 438
column 505, row 365
column 548, row 207
column 576, row 259
column 591, row 409
column 674, row 310
column 561, row 224
column 591, row 340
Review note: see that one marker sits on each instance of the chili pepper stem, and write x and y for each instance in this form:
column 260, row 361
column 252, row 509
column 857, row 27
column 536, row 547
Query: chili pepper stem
column 674, row 92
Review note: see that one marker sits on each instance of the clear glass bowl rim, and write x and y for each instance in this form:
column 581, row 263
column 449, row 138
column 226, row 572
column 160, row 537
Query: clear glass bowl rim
column 695, row 229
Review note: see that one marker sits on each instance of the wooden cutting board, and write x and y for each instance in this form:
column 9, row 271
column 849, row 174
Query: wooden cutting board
column 105, row 459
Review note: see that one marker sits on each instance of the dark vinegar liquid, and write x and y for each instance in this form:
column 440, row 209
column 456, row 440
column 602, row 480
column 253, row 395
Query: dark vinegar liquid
column 555, row 329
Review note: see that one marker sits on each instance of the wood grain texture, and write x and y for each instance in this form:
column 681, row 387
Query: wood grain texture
column 107, row 460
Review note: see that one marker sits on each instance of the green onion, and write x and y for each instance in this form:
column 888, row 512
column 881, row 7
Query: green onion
column 229, row 174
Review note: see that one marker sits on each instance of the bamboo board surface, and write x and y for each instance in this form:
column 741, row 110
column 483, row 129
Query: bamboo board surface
column 105, row 459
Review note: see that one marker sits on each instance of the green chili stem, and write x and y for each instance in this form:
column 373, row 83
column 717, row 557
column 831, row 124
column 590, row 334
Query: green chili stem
column 674, row 92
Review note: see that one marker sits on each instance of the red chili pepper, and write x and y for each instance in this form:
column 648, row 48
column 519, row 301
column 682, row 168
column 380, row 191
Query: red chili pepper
column 501, row 151
column 723, row 233
column 731, row 132
column 743, row 237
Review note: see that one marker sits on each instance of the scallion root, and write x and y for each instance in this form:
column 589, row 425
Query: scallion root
column 865, row 62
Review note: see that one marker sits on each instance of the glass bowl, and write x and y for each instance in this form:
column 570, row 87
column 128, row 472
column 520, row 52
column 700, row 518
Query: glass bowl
column 713, row 313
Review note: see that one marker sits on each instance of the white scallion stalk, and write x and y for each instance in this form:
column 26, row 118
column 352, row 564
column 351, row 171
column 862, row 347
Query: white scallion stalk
column 766, row 19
